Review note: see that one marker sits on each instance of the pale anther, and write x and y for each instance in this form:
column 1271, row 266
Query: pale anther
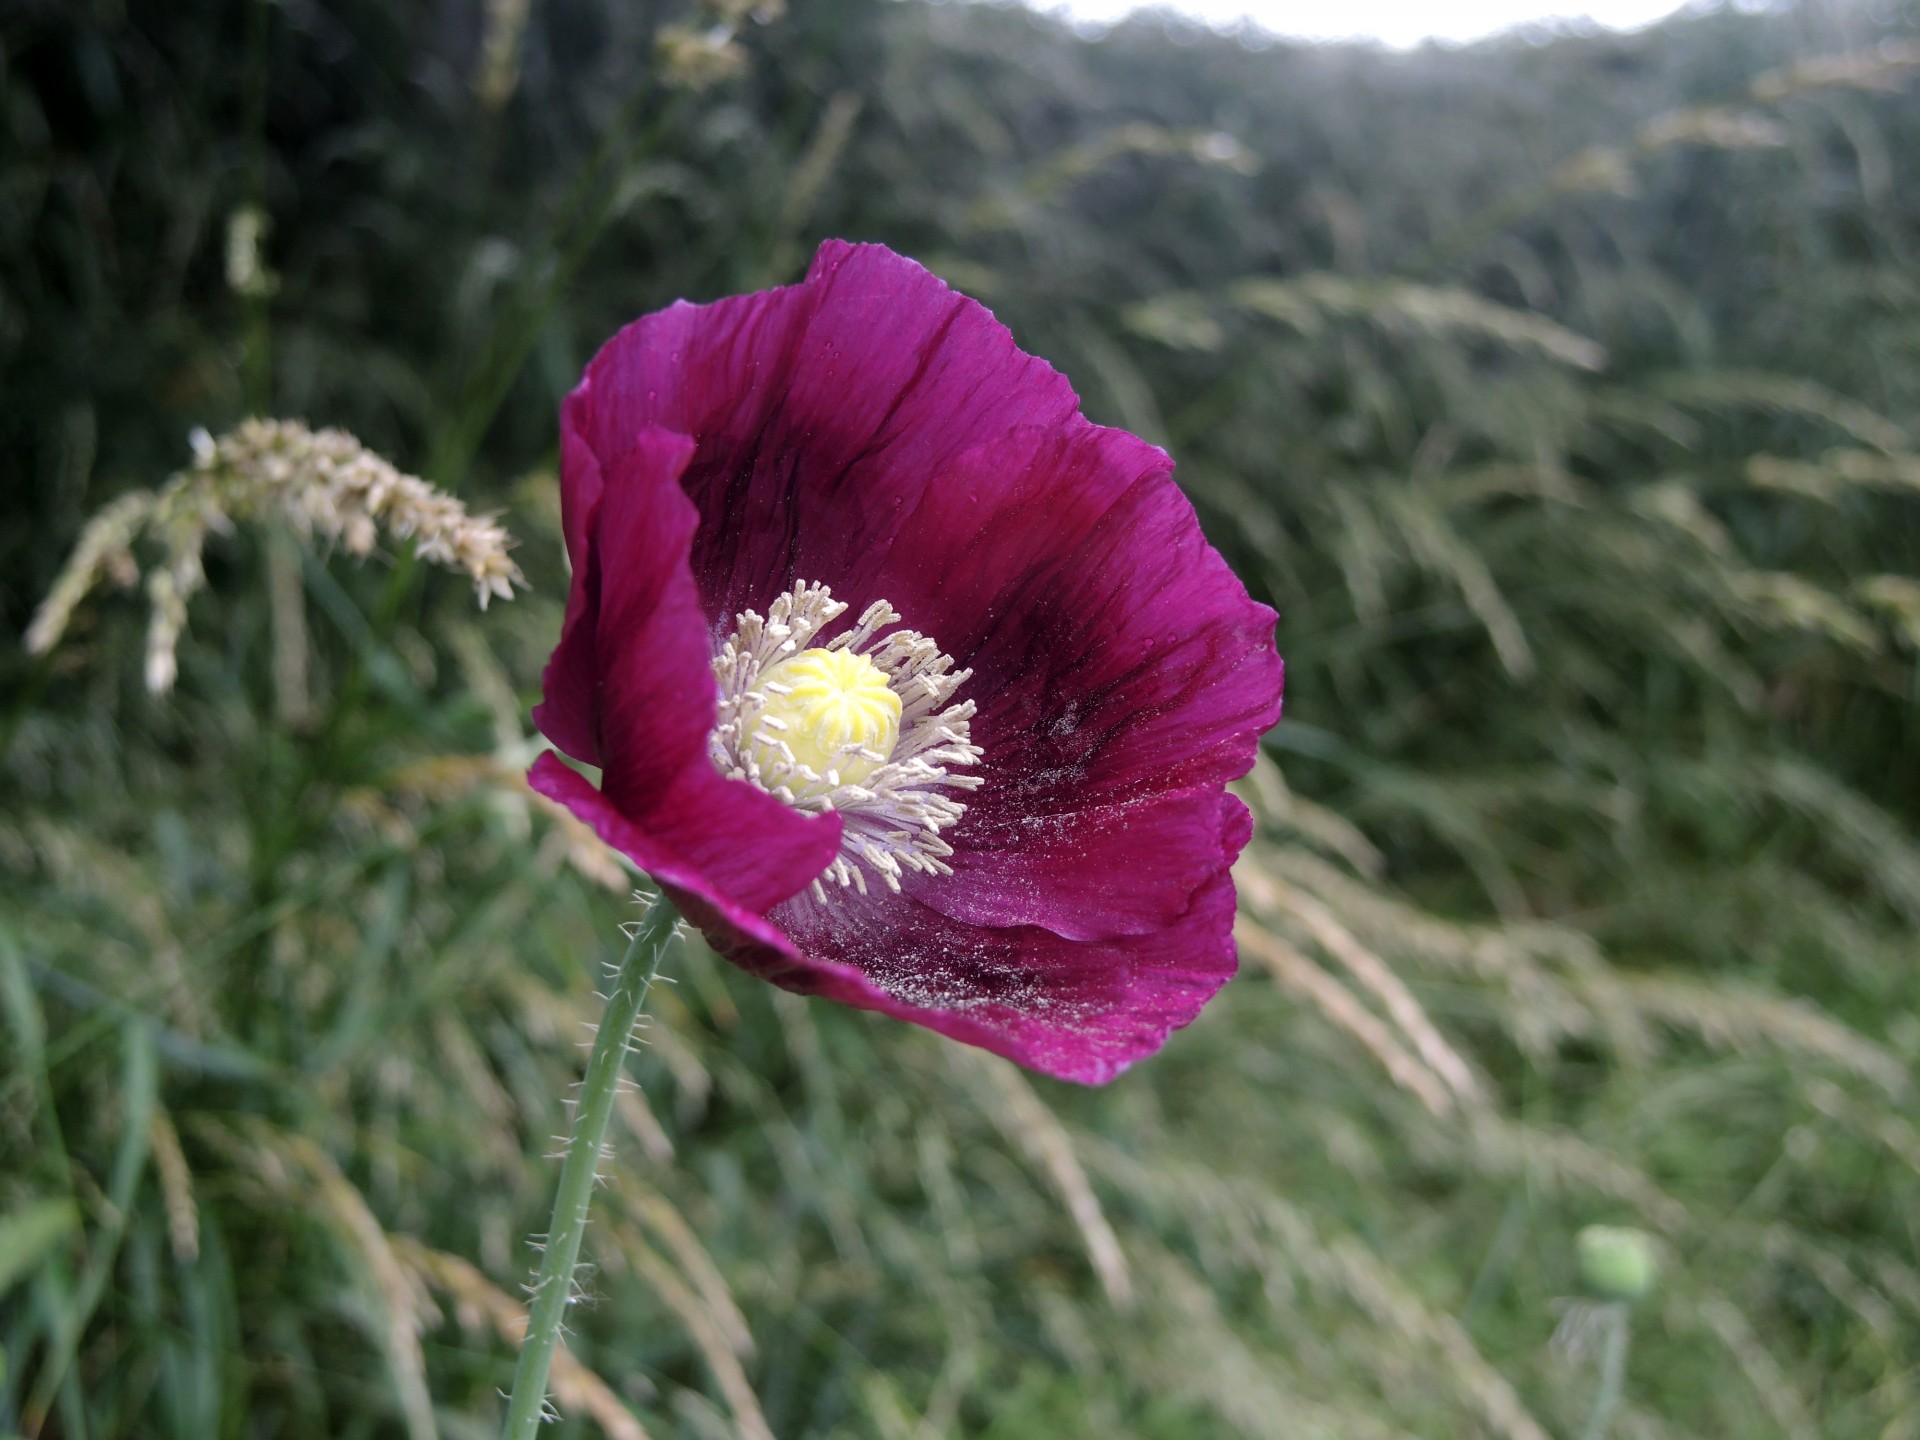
column 860, row 726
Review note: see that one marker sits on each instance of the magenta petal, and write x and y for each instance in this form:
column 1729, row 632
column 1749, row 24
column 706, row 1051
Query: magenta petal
column 1121, row 671
column 821, row 410
column 1078, row 1010
column 569, row 714
column 686, row 881
column 656, row 691
column 652, row 698
column 1113, row 650
column 1095, row 873
column 871, row 430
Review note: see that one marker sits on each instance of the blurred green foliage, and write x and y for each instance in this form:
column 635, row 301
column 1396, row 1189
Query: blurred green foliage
column 1562, row 396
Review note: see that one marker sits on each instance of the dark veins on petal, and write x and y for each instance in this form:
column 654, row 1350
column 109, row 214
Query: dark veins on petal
column 873, row 431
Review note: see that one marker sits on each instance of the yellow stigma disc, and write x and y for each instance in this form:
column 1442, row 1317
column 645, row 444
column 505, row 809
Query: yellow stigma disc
column 836, row 702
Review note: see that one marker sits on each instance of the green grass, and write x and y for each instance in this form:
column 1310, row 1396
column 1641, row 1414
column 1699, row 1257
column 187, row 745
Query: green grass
column 1589, row 894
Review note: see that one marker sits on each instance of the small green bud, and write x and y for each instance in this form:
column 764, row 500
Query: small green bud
column 1617, row 1262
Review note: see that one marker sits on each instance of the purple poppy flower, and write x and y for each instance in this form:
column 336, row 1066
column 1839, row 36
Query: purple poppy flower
column 910, row 686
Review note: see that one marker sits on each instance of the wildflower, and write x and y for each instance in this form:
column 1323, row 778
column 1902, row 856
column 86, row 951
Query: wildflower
column 909, row 685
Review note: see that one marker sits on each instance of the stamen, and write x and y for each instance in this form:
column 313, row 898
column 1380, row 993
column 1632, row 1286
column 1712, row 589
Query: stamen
column 860, row 726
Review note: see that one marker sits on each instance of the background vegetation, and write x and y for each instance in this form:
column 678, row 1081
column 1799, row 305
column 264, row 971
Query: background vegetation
column 1563, row 398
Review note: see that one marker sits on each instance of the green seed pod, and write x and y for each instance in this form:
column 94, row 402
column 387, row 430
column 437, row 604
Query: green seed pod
column 1616, row 1262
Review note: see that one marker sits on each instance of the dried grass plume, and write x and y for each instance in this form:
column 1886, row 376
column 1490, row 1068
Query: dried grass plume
column 325, row 482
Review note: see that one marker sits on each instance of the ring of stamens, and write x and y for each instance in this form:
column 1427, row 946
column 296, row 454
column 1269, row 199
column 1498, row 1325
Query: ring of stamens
column 893, row 813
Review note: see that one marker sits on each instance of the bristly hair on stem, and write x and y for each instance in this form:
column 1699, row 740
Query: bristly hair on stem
column 554, row 1290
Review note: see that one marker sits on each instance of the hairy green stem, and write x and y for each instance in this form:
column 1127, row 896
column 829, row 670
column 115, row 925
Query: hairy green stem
column 553, row 1292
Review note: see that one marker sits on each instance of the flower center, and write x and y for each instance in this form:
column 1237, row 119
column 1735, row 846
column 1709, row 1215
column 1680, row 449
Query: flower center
column 832, row 711
column 860, row 726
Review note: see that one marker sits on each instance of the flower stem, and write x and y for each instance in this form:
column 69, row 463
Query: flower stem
column 554, row 1290
column 1613, row 1373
